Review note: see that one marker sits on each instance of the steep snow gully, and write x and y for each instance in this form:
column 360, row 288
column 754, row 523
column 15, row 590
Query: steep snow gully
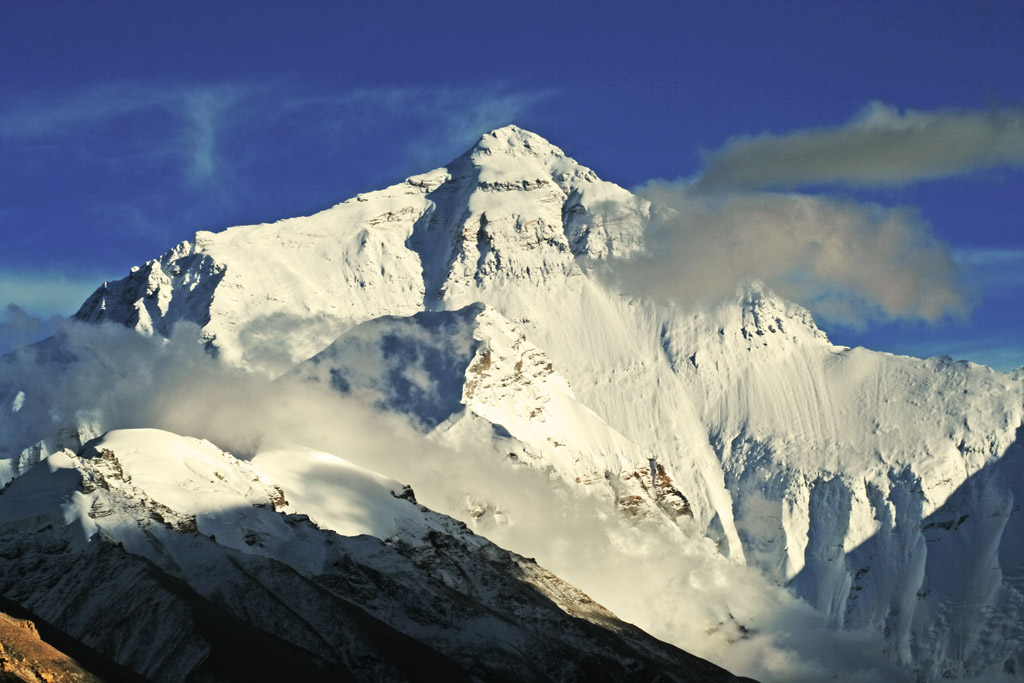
column 725, row 478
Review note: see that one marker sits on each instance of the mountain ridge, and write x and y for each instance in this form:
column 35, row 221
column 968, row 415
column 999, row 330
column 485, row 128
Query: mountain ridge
column 735, row 433
column 215, row 549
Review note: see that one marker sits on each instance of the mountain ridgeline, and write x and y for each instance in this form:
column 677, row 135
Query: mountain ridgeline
column 879, row 490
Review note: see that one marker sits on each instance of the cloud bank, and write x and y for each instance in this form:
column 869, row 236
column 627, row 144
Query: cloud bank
column 880, row 147
column 848, row 261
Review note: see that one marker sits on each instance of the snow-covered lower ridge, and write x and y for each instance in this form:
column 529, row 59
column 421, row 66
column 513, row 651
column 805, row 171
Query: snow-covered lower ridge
column 472, row 377
column 512, row 208
column 152, row 548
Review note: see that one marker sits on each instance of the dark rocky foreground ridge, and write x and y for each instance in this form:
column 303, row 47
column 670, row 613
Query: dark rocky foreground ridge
column 26, row 655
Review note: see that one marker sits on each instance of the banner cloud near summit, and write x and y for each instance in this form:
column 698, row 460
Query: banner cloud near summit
column 849, row 261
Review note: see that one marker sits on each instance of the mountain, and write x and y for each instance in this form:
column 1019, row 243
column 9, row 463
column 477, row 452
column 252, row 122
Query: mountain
column 686, row 462
column 514, row 211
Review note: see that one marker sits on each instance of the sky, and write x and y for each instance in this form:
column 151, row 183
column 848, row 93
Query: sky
column 894, row 131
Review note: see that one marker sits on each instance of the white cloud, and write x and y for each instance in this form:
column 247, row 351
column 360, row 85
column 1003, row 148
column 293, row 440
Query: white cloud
column 880, row 146
column 847, row 261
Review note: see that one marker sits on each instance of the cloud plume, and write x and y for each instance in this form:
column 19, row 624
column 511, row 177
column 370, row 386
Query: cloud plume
column 850, row 262
column 880, row 147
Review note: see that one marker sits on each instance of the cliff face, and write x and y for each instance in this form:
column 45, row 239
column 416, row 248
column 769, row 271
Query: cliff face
column 26, row 658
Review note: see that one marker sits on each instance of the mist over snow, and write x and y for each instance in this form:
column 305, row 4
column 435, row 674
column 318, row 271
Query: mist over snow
column 105, row 377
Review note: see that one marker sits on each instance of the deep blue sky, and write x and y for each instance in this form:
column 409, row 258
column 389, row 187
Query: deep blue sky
column 126, row 127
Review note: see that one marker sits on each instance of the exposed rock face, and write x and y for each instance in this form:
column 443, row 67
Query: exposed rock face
column 452, row 369
column 26, row 658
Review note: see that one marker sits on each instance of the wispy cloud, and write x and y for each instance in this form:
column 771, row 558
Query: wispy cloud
column 130, row 121
column 463, row 114
column 437, row 121
column 188, row 125
column 990, row 268
column 880, row 146
column 850, row 262
column 205, row 111
column 996, row 276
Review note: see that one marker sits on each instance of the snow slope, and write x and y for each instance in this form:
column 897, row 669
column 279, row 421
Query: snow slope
column 155, row 548
column 466, row 298
column 455, row 371
column 268, row 296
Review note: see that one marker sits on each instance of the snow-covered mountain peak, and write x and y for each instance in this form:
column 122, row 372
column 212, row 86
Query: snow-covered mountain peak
column 508, row 156
column 515, row 211
column 461, row 298
column 512, row 213
column 513, row 142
